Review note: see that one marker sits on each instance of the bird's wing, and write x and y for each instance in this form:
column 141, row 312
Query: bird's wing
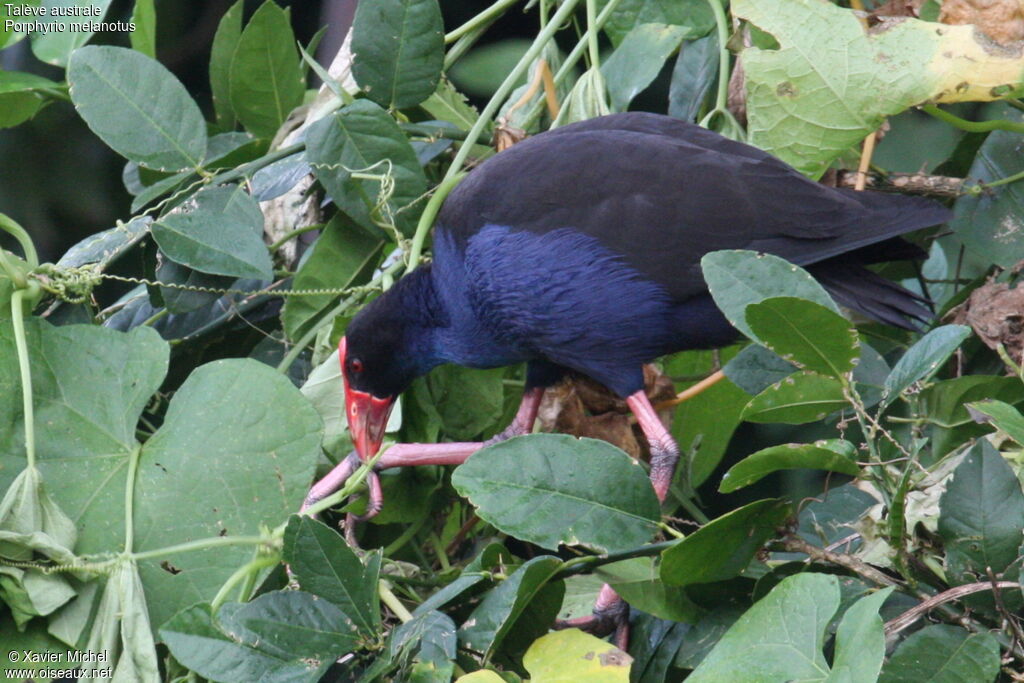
column 662, row 193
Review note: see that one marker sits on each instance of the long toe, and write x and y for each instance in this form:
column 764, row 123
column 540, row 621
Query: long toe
column 611, row 614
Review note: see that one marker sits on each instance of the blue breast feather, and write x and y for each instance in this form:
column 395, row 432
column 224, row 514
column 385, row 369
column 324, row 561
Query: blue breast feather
column 561, row 296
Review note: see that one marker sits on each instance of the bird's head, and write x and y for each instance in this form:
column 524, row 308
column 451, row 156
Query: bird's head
column 375, row 368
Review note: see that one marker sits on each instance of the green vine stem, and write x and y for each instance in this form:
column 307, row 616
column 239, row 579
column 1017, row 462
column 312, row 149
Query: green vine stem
column 392, row 601
column 241, row 575
column 202, row 544
column 569, row 63
column 981, row 187
column 429, row 214
column 129, row 499
column 972, row 126
column 352, row 484
column 481, row 20
column 591, row 35
column 722, row 26
column 292, row 235
column 488, row 113
column 347, row 303
column 11, row 227
column 18, row 322
column 506, row 86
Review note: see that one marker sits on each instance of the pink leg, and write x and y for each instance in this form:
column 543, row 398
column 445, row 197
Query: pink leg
column 610, row 611
column 522, row 423
column 664, row 451
column 408, row 454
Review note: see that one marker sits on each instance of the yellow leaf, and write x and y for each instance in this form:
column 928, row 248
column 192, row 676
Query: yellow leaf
column 572, row 656
column 830, row 82
column 481, row 676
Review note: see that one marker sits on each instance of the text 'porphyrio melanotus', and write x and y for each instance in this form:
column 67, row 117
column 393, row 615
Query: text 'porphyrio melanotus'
column 579, row 249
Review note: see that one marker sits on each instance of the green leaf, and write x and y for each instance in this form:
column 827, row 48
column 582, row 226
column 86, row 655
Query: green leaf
column 481, row 676
column 818, row 456
column 806, row 334
column 468, row 402
column 15, row 642
column 324, row 565
column 778, row 639
column 923, row 359
column 738, row 278
column 266, row 79
column 943, row 654
column 989, row 223
column 553, row 657
column 723, row 548
column 363, row 138
column 195, row 642
column 492, row 620
column 270, row 182
column 637, row 581
column 755, row 368
column 825, row 56
column 262, row 627
column 137, row 107
column 90, row 384
column 944, row 402
column 694, row 74
column 184, row 300
column 552, row 489
column 705, row 634
column 159, row 189
column 1004, row 416
column 32, row 522
column 8, row 35
column 708, row 419
column 225, row 41
column 343, row 256
column 981, row 517
column 448, row 104
column 19, row 96
column 800, row 398
column 143, row 38
column 218, row 231
column 399, row 50
column 695, row 14
column 860, row 641
column 55, row 47
column 432, row 631
column 122, row 625
column 635, row 63
column 291, row 625
column 492, row 557
column 105, row 247
column 236, row 452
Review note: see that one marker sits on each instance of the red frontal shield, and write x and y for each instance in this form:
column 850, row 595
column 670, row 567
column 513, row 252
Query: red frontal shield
column 367, row 415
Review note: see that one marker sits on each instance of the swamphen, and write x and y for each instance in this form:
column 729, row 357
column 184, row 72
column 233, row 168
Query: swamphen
column 579, row 249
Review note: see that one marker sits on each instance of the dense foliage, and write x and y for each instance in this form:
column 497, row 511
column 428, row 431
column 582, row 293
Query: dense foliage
column 162, row 414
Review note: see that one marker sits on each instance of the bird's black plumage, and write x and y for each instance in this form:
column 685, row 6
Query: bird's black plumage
column 580, row 248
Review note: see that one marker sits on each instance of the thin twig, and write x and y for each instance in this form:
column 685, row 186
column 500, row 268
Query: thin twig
column 906, row 183
column 916, row 612
column 795, row 544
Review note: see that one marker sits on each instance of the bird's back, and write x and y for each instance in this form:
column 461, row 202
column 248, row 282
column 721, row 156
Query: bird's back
column 661, row 193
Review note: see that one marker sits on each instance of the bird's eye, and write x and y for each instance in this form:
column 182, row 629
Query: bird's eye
column 356, row 365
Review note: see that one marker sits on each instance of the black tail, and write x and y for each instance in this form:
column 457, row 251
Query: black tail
column 862, row 290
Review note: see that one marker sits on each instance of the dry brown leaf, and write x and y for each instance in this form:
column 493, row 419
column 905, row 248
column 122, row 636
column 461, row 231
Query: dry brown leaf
column 897, row 8
column 1000, row 20
column 582, row 407
column 996, row 313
